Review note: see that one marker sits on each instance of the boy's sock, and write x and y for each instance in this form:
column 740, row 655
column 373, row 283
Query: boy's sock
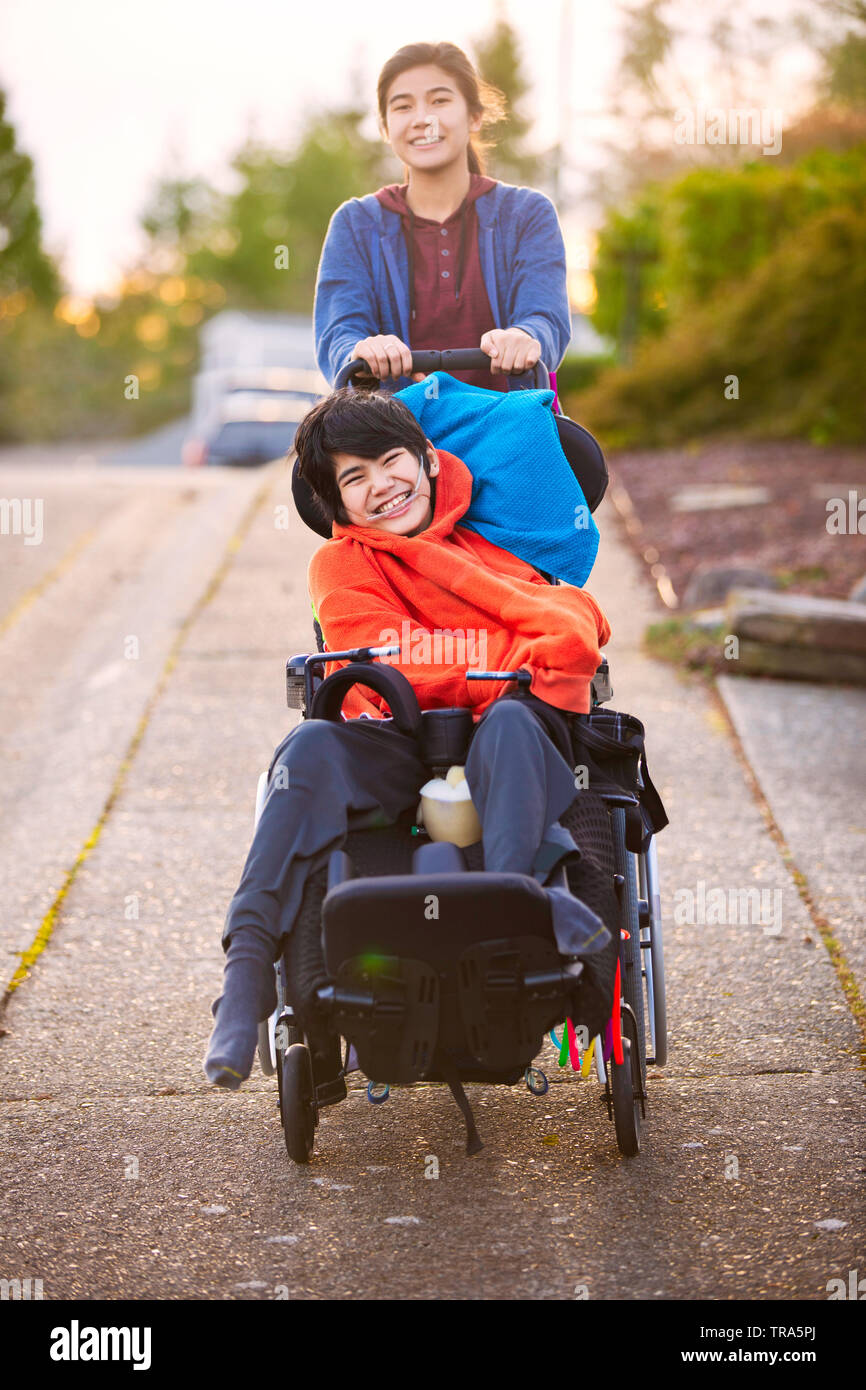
column 249, row 995
column 556, row 851
column 578, row 930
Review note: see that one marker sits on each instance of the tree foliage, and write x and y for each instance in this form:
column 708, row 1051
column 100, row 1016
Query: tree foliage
column 709, row 229
column 24, row 265
column 499, row 60
column 790, row 330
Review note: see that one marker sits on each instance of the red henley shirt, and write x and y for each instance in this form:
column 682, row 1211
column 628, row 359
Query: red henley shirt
column 449, row 304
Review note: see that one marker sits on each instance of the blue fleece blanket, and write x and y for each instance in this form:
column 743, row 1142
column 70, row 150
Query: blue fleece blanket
column 525, row 498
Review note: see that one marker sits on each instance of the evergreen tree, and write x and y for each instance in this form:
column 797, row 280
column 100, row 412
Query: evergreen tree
column 180, row 210
column 285, row 201
column 845, row 79
column 23, row 263
column 498, row 59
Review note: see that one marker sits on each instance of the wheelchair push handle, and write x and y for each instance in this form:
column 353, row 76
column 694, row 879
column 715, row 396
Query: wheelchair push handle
column 447, row 360
column 523, row 677
column 354, row 654
column 325, row 701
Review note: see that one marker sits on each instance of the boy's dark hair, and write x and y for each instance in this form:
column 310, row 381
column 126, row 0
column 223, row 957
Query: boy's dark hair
column 365, row 423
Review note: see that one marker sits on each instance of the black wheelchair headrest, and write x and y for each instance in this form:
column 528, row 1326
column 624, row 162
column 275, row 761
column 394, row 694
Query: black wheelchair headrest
column 580, row 448
column 583, row 452
column 309, row 507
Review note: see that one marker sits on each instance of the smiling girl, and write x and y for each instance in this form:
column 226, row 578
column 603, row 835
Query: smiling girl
column 450, row 258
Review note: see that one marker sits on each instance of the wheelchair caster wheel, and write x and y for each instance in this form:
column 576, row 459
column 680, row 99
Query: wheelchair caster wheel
column 286, row 1035
column 266, row 1060
column 298, row 1103
column 378, row 1092
column 536, row 1081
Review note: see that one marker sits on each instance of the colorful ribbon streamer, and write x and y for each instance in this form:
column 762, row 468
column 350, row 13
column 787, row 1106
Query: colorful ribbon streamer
column 569, row 1048
column 617, row 1020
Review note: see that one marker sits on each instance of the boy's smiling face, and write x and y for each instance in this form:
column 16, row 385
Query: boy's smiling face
column 381, row 486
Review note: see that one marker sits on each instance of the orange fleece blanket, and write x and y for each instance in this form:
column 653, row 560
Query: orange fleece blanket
column 453, row 600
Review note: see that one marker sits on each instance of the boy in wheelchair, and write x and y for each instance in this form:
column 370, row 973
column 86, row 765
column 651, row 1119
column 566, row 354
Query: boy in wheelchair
column 398, row 553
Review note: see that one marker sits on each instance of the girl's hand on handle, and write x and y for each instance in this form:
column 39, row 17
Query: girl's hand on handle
column 510, row 349
column 388, row 356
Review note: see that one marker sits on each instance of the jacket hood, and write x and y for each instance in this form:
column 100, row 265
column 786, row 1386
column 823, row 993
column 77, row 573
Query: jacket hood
column 453, row 496
column 393, row 197
column 371, row 588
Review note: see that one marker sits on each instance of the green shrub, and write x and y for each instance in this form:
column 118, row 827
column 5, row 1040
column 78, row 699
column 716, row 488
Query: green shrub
column 791, row 331
column 577, row 373
column 57, row 385
column 631, row 242
column 711, row 228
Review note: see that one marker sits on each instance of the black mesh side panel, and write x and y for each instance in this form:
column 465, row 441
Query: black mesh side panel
column 591, row 880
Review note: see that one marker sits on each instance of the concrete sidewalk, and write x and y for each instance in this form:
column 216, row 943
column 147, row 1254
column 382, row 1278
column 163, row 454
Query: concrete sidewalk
column 127, row 1176
column 806, row 745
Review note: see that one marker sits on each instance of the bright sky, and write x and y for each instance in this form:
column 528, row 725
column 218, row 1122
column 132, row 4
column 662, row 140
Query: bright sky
column 106, row 97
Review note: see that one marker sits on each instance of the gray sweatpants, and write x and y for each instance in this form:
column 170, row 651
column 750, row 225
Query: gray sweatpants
column 327, row 778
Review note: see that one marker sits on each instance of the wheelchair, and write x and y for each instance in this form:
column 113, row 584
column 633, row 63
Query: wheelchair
column 471, row 995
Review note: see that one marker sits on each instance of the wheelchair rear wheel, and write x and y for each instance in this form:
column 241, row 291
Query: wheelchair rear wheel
column 653, row 956
column 631, row 971
column 628, row 1082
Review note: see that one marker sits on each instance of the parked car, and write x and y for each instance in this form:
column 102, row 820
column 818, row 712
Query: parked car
column 248, row 416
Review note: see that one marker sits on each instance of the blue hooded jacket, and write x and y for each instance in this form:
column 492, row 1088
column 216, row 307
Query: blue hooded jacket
column 362, row 286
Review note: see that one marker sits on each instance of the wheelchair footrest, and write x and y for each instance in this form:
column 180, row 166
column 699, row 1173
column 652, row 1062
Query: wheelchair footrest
column 388, row 1007
column 510, row 992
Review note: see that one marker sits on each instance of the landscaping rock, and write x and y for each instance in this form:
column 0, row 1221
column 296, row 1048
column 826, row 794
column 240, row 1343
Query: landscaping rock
column 798, row 635
column 711, row 497
column 798, row 663
column 707, row 619
column 711, row 584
